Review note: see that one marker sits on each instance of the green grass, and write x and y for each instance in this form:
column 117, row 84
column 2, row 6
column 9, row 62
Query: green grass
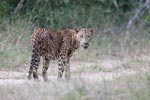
column 148, row 78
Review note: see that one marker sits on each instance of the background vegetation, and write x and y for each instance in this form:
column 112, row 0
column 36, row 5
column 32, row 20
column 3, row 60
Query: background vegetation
column 79, row 13
column 121, row 43
column 19, row 18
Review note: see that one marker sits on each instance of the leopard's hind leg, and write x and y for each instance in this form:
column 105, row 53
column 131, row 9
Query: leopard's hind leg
column 35, row 59
column 46, row 60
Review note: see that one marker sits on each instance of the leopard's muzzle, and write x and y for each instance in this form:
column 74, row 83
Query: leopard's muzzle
column 85, row 45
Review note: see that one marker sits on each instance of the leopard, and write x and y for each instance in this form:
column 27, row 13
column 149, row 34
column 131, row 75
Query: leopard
column 56, row 45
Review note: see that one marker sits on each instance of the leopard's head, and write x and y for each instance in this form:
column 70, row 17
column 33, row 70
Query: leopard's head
column 84, row 36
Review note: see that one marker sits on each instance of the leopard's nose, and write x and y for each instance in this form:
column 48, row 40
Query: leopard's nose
column 86, row 44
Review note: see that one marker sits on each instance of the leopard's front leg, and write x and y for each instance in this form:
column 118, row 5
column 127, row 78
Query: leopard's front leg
column 63, row 59
column 67, row 70
column 61, row 64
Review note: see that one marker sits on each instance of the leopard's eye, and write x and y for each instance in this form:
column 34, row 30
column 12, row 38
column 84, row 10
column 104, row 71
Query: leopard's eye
column 88, row 36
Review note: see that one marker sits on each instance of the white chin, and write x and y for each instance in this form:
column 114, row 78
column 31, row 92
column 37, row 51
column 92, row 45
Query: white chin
column 81, row 47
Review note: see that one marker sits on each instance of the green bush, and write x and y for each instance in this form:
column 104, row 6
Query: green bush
column 60, row 14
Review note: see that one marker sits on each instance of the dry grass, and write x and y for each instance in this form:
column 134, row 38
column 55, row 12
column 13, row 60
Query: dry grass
column 107, row 79
column 131, row 87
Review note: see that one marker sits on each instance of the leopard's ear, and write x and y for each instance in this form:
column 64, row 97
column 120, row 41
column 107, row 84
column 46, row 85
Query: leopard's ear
column 77, row 30
column 91, row 30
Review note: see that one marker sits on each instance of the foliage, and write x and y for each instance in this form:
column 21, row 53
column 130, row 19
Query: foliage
column 76, row 13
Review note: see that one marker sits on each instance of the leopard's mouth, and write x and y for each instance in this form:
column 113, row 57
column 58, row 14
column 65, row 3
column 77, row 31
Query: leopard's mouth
column 85, row 46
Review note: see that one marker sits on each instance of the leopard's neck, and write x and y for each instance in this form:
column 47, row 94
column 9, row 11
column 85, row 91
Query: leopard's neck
column 75, row 44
